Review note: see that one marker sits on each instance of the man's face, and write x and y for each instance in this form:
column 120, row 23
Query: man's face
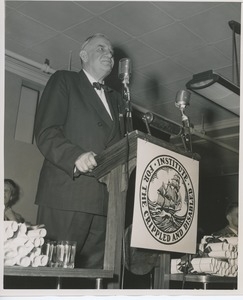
column 98, row 57
column 233, row 218
column 7, row 193
column 234, row 215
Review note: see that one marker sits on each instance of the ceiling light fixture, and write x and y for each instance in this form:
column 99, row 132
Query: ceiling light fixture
column 217, row 88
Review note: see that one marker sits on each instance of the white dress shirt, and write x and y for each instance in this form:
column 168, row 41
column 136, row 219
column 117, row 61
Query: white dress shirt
column 101, row 93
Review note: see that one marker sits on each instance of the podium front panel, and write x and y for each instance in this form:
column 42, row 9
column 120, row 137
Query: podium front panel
column 166, row 200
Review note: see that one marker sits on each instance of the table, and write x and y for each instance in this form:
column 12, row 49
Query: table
column 97, row 274
column 162, row 276
column 204, row 279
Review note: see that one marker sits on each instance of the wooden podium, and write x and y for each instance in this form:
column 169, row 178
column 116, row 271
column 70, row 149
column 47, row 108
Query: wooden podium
column 114, row 168
column 115, row 165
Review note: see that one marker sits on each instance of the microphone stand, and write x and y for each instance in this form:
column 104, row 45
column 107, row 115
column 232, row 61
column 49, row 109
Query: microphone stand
column 186, row 132
column 128, row 107
column 145, row 119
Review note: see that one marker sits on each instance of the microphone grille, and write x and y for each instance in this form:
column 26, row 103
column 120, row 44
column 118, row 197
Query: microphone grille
column 182, row 98
column 124, row 67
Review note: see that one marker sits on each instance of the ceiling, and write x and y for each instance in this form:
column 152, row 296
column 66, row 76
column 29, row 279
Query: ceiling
column 167, row 42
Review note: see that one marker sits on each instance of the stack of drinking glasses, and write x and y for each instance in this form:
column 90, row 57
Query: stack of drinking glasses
column 60, row 253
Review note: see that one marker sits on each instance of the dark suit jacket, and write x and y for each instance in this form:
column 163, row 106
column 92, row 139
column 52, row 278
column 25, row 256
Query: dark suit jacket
column 225, row 232
column 71, row 120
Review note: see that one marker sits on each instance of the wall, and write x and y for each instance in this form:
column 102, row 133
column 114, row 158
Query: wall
column 215, row 194
column 22, row 161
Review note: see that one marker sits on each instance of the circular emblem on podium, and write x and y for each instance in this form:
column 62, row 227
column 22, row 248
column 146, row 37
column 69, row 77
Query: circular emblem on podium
column 167, row 199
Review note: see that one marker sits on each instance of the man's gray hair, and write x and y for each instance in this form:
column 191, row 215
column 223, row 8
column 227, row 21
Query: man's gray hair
column 87, row 41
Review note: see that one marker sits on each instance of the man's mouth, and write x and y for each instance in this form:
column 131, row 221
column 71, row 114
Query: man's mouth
column 106, row 61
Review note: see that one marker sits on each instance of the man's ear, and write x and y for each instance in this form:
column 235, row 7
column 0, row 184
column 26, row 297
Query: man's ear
column 228, row 217
column 83, row 55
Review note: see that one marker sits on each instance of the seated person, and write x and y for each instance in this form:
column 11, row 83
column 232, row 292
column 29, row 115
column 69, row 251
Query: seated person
column 11, row 196
column 231, row 214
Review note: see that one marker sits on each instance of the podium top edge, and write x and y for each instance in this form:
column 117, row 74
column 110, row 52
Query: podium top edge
column 139, row 134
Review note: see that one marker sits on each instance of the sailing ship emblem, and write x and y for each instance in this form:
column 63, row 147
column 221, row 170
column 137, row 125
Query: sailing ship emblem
column 167, row 199
column 169, row 196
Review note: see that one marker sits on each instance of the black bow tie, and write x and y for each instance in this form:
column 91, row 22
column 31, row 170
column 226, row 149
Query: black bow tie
column 99, row 86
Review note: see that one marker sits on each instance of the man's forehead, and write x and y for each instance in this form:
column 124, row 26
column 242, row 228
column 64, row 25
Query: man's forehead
column 100, row 41
column 7, row 186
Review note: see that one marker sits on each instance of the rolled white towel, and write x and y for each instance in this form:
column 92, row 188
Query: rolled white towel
column 202, row 260
column 23, row 261
column 203, row 264
column 37, row 241
column 39, row 261
column 11, row 224
column 22, row 228
column 9, row 233
column 230, row 239
column 25, row 250
column 13, row 243
column 34, row 233
column 10, row 253
column 219, row 254
column 233, row 261
column 10, row 261
column 223, row 246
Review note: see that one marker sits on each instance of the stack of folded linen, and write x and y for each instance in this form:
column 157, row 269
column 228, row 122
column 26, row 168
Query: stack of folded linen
column 225, row 252
column 216, row 256
column 22, row 245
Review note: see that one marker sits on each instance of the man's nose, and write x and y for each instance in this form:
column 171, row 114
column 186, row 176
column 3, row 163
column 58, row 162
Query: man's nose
column 109, row 53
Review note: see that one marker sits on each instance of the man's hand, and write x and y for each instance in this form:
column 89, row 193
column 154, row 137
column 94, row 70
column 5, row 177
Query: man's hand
column 86, row 162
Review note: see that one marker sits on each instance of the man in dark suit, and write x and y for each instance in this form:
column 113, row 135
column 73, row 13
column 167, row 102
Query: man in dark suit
column 231, row 214
column 74, row 123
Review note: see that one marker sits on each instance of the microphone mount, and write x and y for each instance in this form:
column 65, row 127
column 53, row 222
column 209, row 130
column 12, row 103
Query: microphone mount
column 124, row 75
column 128, row 107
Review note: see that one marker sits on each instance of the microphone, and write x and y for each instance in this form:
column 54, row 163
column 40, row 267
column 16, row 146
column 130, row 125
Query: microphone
column 125, row 70
column 182, row 98
column 182, row 101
